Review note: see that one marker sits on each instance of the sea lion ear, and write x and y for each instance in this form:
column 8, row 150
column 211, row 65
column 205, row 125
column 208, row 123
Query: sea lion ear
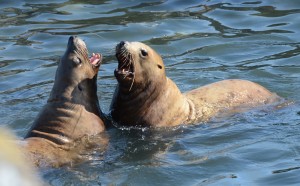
column 159, row 66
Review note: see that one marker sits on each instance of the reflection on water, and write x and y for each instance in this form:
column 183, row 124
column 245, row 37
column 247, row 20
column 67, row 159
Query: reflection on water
column 201, row 42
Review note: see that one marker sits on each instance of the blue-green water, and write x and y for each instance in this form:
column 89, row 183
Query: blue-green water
column 201, row 42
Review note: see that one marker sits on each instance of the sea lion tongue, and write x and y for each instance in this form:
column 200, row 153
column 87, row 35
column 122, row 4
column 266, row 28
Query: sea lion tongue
column 95, row 59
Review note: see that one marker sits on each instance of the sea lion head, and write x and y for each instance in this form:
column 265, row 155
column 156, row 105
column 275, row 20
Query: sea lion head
column 76, row 74
column 138, row 65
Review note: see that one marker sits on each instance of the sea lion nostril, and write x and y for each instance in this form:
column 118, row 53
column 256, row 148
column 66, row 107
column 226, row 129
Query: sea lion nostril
column 122, row 43
column 71, row 38
column 71, row 41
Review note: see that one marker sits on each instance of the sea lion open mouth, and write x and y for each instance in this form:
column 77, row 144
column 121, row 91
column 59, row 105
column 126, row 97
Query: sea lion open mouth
column 96, row 60
column 125, row 68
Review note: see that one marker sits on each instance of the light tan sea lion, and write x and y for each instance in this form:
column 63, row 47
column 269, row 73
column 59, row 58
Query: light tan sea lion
column 144, row 95
column 71, row 119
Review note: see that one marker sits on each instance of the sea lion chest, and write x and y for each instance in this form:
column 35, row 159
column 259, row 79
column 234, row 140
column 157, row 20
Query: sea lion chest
column 62, row 122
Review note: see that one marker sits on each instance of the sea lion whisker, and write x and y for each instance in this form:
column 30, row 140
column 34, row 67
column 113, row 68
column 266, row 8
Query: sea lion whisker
column 124, row 64
column 125, row 57
column 123, row 53
column 97, row 35
column 127, row 54
column 131, row 84
column 125, row 75
column 128, row 73
column 131, row 61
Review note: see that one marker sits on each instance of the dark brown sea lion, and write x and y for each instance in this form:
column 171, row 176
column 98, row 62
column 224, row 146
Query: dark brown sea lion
column 144, row 95
column 72, row 116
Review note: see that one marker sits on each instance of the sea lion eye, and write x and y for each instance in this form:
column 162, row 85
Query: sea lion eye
column 144, row 52
column 77, row 61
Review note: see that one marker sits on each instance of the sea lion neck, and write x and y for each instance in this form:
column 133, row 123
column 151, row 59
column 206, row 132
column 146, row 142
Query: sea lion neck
column 127, row 105
column 82, row 93
column 146, row 88
column 141, row 108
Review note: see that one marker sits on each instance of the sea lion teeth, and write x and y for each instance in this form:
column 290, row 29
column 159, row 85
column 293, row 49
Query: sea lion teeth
column 95, row 59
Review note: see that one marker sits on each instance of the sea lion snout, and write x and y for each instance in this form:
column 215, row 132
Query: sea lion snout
column 71, row 42
column 121, row 46
column 71, row 39
column 125, row 70
column 122, row 43
column 75, row 42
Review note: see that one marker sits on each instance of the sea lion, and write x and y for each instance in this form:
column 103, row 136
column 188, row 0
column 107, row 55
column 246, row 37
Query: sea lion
column 144, row 96
column 72, row 115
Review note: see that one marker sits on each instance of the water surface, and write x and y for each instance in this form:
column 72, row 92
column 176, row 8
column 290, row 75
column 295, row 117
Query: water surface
column 201, row 42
